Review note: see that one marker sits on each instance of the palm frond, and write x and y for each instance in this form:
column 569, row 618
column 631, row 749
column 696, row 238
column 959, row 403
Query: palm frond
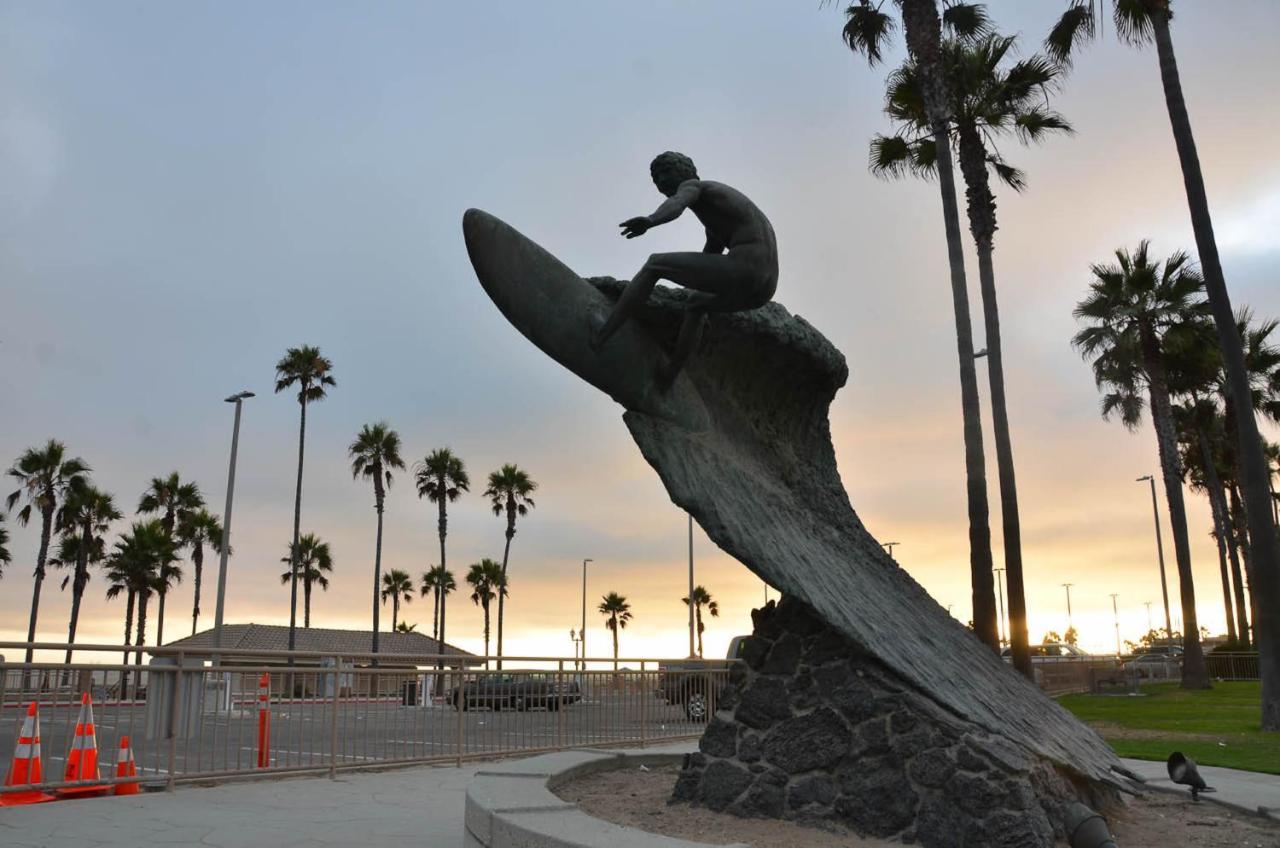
column 866, row 30
column 1076, row 26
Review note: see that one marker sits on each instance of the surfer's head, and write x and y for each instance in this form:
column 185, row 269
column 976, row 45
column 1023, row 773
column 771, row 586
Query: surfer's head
column 670, row 169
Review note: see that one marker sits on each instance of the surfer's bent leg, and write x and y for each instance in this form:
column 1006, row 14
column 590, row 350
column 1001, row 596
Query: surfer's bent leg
column 707, row 272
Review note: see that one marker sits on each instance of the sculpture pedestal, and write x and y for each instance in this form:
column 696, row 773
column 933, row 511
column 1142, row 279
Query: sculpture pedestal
column 812, row 728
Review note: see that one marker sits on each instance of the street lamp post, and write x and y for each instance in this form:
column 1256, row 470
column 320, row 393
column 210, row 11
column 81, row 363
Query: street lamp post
column 582, row 634
column 1164, row 584
column 692, row 654
column 1116, row 613
column 889, row 546
column 1068, row 586
column 1000, row 586
column 237, row 399
column 1149, row 627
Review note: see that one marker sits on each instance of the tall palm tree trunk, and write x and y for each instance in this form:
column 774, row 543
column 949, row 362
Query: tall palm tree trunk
column 128, row 640
column 435, row 614
column 197, row 559
column 443, row 526
column 982, row 224
column 1221, row 525
column 42, row 557
column 506, row 552
column 306, row 599
column 1194, row 675
column 160, row 619
column 142, row 626
column 613, row 625
column 1253, row 463
column 1241, row 536
column 377, row 559
column 486, row 635
column 78, row 584
column 698, row 616
column 297, row 525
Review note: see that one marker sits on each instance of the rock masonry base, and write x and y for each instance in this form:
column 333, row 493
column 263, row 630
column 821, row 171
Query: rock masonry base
column 812, row 729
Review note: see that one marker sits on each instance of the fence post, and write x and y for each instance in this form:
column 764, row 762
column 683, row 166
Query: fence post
column 175, row 685
column 644, row 692
column 333, row 720
column 461, row 705
column 561, row 703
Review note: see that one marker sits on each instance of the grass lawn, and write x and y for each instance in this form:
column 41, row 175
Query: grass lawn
column 1220, row 727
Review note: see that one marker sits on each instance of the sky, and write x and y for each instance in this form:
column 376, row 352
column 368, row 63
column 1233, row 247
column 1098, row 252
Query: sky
column 186, row 190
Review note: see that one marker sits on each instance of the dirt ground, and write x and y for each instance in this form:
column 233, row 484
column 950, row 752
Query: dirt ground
column 638, row 798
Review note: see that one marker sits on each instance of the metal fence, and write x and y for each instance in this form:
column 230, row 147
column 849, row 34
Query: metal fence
column 1071, row 675
column 256, row 715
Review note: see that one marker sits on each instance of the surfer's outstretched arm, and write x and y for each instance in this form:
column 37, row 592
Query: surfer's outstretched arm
column 670, row 209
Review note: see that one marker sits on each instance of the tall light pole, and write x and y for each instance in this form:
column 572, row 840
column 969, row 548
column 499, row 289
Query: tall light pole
column 1164, row 584
column 582, row 634
column 1000, row 586
column 889, row 546
column 237, row 399
column 1149, row 627
column 1068, row 586
column 1115, row 612
column 692, row 654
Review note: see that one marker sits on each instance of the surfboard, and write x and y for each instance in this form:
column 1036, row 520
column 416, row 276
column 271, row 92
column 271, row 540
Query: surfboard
column 553, row 307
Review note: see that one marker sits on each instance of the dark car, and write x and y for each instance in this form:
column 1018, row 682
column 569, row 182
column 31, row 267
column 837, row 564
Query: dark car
column 524, row 691
column 696, row 684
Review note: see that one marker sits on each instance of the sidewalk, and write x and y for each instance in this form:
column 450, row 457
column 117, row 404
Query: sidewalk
column 414, row 806
column 1247, row 791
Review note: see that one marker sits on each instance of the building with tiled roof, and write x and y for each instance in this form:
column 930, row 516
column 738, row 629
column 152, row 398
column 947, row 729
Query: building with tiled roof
column 275, row 637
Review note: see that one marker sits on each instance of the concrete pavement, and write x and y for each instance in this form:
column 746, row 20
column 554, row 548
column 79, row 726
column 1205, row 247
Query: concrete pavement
column 1247, row 791
column 421, row 806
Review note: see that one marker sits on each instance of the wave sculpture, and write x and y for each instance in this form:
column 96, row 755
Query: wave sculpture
column 861, row 700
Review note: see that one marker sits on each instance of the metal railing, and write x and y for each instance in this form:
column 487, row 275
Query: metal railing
column 262, row 713
column 1071, row 675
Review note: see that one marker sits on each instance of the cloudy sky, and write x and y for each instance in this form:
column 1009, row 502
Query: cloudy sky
column 188, row 189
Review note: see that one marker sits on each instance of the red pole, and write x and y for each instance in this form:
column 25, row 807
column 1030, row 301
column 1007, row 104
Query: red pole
column 264, row 721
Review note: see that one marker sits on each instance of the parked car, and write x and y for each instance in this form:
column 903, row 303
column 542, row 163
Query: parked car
column 1049, row 652
column 1155, row 665
column 525, row 691
column 695, row 684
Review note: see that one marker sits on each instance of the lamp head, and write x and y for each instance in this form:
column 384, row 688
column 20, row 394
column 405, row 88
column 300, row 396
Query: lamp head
column 1143, row 479
column 239, row 396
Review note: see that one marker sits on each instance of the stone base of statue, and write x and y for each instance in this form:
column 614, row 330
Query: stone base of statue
column 864, row 700
column 814, row 729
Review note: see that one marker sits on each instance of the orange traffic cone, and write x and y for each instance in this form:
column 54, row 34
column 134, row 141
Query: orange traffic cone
column 126, row 768
column 82, row 763
column 27, row 768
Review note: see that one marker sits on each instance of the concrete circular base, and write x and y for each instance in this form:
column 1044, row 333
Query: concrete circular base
column 513, row 805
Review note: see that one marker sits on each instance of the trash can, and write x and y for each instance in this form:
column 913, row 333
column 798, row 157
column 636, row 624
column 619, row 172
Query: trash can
column 409, row 693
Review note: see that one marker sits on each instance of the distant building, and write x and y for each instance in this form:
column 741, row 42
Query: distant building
column 402, row 657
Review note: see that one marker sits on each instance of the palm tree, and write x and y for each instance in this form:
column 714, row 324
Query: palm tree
column 45, row 476
column 143, row 559
column 702, row 598
column 405, row 627
column 5, row 556
column 1136, row 312
column 398, row 586
column 987, row 101
column 439, row 582
column 177, row 501
column 866, row 30
column 617, row 612
column 307, row 369
column 314, row 562
column 441, row 478
column 197, row 530
column 487, row 581
column 1141, row 22
column 509, row 490
column 85, row 516
column 374, row 453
